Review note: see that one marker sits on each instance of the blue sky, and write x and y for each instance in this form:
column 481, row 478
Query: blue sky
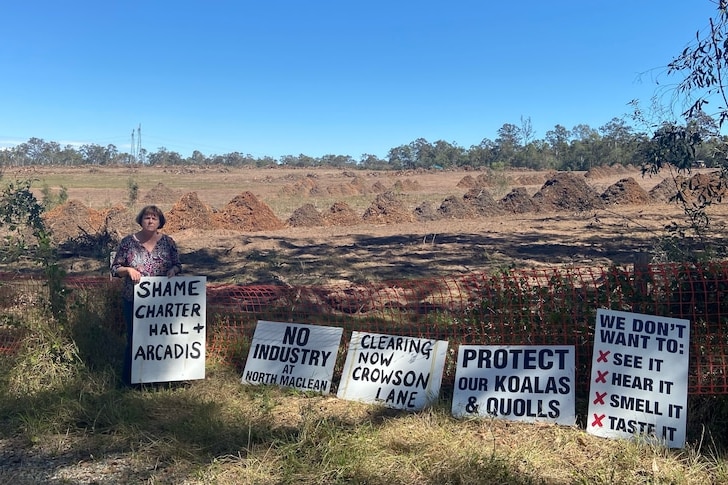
column 274, row 78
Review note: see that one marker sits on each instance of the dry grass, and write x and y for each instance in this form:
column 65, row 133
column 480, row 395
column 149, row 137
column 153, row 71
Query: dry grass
column 219, row 431
column 80, row 427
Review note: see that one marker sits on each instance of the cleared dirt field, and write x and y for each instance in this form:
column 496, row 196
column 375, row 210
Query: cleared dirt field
column 322, row 226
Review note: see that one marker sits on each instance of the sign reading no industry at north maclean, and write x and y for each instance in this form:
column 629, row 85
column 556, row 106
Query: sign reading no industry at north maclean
column 293, row 355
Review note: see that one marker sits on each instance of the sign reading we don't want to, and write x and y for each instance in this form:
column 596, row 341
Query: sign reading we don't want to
column 639, row 382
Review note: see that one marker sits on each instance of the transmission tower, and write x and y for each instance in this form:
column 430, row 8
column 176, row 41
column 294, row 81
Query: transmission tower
column 136, row 148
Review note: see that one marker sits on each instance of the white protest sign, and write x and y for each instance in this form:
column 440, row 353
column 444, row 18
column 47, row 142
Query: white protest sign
column 525, row 383
column 168, row 338
column 293, row 355
column 397, row 372
column 639, row 379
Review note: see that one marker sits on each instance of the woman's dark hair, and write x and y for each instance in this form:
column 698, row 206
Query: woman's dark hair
column 151, row 209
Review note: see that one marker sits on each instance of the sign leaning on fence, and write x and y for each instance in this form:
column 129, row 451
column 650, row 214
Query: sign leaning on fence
column 168, row 337
column 293, row 355
column 639, row 380
column 516, row 382
column 397, row 372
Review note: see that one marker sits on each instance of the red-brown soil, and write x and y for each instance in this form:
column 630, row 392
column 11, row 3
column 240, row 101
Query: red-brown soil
column 324, row 225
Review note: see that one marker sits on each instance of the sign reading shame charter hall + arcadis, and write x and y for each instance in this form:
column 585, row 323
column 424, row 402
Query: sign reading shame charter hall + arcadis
column 293, row 355
column 526, row 383
column 168, row 337
column 639, row 379
column 394, row 371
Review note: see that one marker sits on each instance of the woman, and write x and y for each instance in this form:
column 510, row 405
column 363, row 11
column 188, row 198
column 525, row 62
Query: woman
column 147, row 252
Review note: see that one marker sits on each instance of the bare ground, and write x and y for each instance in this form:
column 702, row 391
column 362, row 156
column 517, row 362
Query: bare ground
column 286, row 225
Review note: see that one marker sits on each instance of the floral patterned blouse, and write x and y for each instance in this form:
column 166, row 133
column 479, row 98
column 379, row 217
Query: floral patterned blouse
column 130, row 252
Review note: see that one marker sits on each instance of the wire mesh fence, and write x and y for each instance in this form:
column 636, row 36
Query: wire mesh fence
column 545, row 306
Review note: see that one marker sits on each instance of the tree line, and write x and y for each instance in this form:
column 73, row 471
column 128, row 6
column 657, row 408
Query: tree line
column 515, row 146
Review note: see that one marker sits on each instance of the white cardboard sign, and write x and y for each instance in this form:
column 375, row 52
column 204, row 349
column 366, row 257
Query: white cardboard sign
column 169, row 333
column 639, row 379
column 524, row 383
column 396, row 372
column 293, row 355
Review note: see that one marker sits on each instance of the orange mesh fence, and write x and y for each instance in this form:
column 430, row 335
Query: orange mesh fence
column 553, row 306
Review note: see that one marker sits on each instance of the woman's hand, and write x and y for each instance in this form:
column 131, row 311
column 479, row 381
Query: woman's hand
column 173, row 271
column 133, row 274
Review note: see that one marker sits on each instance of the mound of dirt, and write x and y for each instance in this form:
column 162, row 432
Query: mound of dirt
column 407, row 185
column 598, row 172
column 302, row 187
column 357, row 186
column 426, row 212
column 517, row 201
column 481, row 180
column 482, row 202
column 566, row 192
column 467, row 182
column 361, row 184
column 453, row 207
column 625, row 192
column 604, row 171
column 387, row 208
column 529, row 179
column 667, row 189
column 306, row 216
column 340, row 214
column 705, row 187
column 246, row 213
column 342, row 190
column 378, row 187
column 73, row 219
column 120, row 222
column 189, row 212
column 160, row 194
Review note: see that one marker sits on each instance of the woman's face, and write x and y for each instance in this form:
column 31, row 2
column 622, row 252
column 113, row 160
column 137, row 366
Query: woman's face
column 150, row 222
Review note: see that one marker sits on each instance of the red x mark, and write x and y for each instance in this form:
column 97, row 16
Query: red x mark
column 603, row 356
column 600, row 398
column 598, row 420
column 602, row 376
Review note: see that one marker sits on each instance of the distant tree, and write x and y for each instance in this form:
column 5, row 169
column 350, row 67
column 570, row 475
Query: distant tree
column 671, row 144
column 372, row 162
column 163, row 157
column 98, row 155
column 197, row 158
column 558, row 139
column 401, row 157
column 299, row 161
column 507, row 143
column 448, row 155
column 338, row 161
column 526, row 131
column 482, row 154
